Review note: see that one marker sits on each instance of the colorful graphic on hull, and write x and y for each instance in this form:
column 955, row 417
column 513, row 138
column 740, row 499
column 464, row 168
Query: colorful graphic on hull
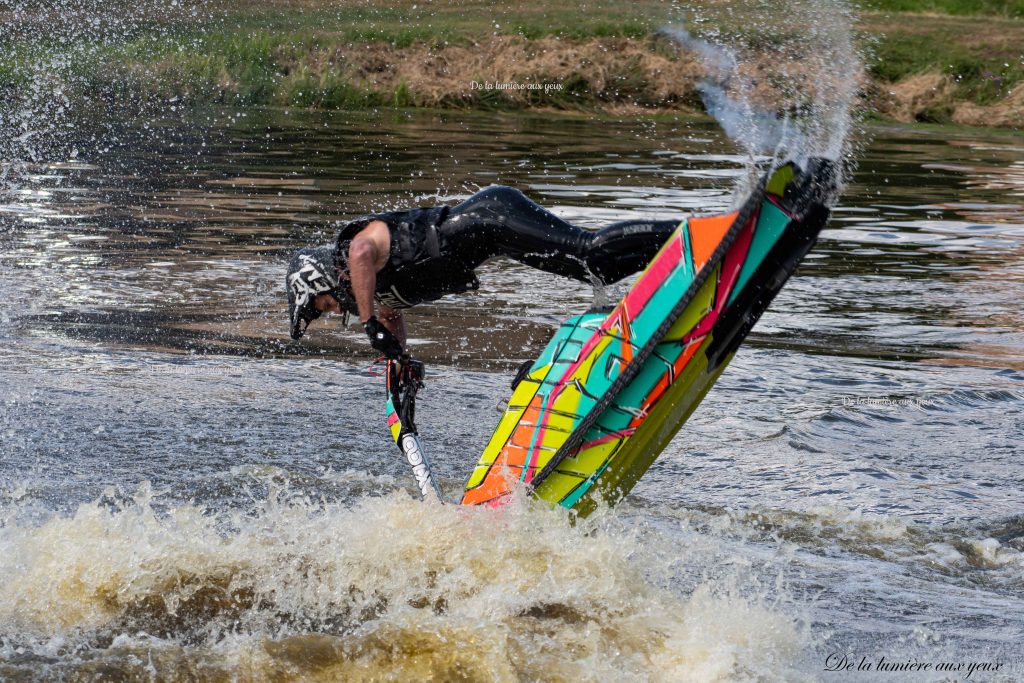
column 611, row 389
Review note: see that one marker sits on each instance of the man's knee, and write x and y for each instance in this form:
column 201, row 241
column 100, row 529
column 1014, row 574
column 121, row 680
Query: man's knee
column 500, row 193
column 493, row 202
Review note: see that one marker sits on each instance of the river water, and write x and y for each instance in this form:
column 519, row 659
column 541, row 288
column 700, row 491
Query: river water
column 187, row 494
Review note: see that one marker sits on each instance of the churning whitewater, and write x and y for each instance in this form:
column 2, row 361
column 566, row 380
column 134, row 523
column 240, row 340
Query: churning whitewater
column 297, row 589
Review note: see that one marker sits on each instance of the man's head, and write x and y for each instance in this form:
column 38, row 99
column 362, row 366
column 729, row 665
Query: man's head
column 311, row 276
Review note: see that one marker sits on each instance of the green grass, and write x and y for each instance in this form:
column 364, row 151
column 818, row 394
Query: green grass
column 984, row 81
column 984, row 57
column 995, row 8
column 263, row 52
column 400, row 21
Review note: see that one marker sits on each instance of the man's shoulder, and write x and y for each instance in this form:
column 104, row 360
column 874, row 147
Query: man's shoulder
column 351, row 228
column 376, row 227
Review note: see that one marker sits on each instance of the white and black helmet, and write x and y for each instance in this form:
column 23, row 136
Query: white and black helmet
column 311, row 272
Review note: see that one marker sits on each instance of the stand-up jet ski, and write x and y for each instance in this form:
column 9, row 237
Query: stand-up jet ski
column 614, row 385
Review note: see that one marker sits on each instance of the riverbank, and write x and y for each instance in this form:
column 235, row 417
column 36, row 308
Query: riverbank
column 931, row 67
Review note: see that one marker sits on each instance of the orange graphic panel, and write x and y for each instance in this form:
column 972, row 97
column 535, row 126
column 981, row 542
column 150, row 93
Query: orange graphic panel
column 706, row 234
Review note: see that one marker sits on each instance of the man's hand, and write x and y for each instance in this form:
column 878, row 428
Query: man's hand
column 382, row 340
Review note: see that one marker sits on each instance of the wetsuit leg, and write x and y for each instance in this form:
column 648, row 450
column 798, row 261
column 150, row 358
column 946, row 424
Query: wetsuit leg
column 623, row 248
column 502, row 221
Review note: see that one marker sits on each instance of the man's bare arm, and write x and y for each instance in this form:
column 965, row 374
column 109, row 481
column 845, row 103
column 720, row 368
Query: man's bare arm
column 366, row 255
column 362, row 268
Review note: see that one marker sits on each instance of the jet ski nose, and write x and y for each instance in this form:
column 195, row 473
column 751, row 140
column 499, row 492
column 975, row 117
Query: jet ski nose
column 823, row 172
column 808, row 186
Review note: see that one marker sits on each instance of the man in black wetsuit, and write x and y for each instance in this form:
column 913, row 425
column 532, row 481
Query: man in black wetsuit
column 382, row 263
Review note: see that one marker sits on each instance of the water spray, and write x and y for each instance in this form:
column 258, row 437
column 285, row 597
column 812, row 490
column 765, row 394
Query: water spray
column 790, row 99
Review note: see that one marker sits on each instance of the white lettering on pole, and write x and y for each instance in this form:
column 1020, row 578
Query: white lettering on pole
column 411, row 448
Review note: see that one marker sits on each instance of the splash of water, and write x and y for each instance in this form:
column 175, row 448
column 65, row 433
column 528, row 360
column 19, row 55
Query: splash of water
column 50, row 51
column 783, row 85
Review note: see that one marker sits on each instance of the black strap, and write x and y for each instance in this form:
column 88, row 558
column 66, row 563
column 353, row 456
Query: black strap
column 521, row 373
column 431, row 241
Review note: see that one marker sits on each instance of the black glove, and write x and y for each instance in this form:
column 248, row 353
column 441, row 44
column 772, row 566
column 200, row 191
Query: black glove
column 382, row 340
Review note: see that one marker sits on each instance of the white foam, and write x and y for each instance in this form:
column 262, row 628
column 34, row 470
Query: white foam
column 389, row 584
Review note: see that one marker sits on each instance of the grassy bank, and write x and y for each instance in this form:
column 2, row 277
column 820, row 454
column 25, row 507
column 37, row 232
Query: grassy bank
column 928, row 60
column 956, row 61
